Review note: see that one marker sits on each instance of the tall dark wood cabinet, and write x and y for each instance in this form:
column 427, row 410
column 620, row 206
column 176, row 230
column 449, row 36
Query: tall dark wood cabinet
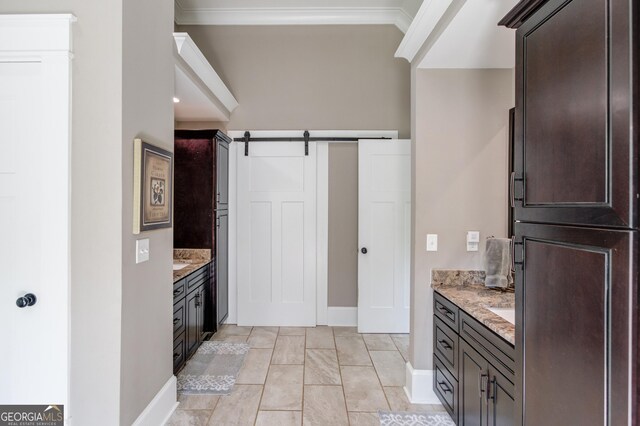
column 201, row 198
column 575, row 202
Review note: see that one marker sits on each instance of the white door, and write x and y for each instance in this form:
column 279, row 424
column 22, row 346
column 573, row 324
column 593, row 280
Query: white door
column 34, row 216
column 384, row 233
column 276, row 231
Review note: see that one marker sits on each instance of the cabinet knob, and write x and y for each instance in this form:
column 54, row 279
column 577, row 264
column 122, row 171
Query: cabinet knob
column 28, row 299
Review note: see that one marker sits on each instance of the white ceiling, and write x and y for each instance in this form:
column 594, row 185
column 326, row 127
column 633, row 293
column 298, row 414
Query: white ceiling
column 296, row 12
column 472, row 38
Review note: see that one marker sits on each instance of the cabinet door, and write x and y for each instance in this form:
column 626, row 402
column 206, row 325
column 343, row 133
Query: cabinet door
column 575, row 160
column 222, row 266
column 192, row 327
column 222, row 174
column 474, row 378
column 501, row 402
column 577, row 287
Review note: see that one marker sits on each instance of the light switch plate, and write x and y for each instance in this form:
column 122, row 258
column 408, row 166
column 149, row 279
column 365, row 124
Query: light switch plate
column 473, row 240
column 142, row 250
column 432, row 242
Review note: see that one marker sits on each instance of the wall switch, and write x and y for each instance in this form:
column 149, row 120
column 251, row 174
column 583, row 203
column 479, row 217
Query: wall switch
column 473, row 240
column 432, row 242
column 142, row 250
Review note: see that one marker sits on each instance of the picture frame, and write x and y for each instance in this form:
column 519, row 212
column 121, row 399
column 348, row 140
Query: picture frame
column 152, row 188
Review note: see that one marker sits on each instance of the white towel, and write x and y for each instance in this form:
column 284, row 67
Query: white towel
column 498, row 263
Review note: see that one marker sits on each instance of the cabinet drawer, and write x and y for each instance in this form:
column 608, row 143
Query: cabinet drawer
column 446, row 345
column 179, row 313
column 197, row 278
column 446, row 387
column 178, row 352
column 446, row 311
column 492, row 347
column 179, row 290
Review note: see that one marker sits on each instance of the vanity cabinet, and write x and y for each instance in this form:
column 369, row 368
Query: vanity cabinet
column 474, row 369
column 189, row 295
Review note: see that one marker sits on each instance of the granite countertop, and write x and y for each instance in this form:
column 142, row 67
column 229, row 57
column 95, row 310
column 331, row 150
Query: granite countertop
column 466, row 290
column 193, row 258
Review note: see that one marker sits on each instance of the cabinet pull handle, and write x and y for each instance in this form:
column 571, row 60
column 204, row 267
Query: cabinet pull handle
column 444, row 387
column 177, row 292
column 176, row 320
column 512, row 188
column 445, row 344
column 492, row 390
column 483, row 380
column 176, row 356
column 445, row 311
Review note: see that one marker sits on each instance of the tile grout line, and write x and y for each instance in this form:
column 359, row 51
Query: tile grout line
column 264, row 384
column 344, row 394
column 377, row 376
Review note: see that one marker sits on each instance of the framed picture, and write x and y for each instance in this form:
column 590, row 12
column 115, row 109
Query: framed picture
column 153, row 187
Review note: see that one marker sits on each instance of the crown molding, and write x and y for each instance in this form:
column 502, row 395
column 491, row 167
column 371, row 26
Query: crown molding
column 293, row 16
column 191, row 55
column 428, row 16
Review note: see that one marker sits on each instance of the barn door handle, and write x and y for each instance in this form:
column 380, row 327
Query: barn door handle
column 28, row 299
column 363, row 250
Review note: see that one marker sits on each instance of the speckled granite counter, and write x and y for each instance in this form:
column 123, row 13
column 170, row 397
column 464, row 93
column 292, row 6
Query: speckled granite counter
column 465, row 289
column 194, row 258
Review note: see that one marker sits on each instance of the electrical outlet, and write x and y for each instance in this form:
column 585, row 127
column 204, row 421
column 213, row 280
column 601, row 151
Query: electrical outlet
column 432, row 242
column 142, row 250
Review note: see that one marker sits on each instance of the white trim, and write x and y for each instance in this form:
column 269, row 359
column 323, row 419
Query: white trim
column 36, row 33
column 322, row 232
column 341, row 316
column 419, row 386
column 294, row 16
column 428, row 16
column 161, row 406
column 195, row 59
column 232, row 317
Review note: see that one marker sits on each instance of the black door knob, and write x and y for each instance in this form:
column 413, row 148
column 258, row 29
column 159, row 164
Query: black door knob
column 363, row 250
column 28, row 299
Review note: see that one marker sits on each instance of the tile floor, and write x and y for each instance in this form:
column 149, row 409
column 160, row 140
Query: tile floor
column 312, row 376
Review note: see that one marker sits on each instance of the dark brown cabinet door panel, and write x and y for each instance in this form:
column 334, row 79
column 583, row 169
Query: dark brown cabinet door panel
column 573, row 145
column 474, row 379
column 573, row 330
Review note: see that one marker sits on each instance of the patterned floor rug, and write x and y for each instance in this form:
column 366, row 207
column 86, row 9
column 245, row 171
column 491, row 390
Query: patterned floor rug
column 213, row 369
column 388, row 418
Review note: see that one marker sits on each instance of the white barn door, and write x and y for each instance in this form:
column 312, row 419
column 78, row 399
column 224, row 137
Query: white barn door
column 384, row 233
column 276, row 234
column 35, row 85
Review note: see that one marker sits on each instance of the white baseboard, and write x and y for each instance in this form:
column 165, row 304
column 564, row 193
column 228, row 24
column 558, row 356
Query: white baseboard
column 419, row 386
column 342, row 316
column 161, row 406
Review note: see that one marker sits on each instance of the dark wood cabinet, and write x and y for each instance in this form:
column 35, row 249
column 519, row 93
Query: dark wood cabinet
column 189, row 295
column 575, row 152
column 201, row 205
column 576, row 200
column 575, row 329
column 473, row 368
column 222, row 265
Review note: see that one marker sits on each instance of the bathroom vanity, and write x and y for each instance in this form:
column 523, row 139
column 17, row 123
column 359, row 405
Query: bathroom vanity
column 474, row 355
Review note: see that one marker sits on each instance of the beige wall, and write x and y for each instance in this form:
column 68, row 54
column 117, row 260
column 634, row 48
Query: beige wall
column 343, row 225
column 310, row 77
column 114, row 303
column 460, row 145
column 147, row 113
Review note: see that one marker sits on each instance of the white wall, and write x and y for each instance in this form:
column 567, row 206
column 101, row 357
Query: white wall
column 459, row 179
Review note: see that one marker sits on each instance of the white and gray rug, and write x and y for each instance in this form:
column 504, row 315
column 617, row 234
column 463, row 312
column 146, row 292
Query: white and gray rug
column 213, row 369
column 388, row 418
